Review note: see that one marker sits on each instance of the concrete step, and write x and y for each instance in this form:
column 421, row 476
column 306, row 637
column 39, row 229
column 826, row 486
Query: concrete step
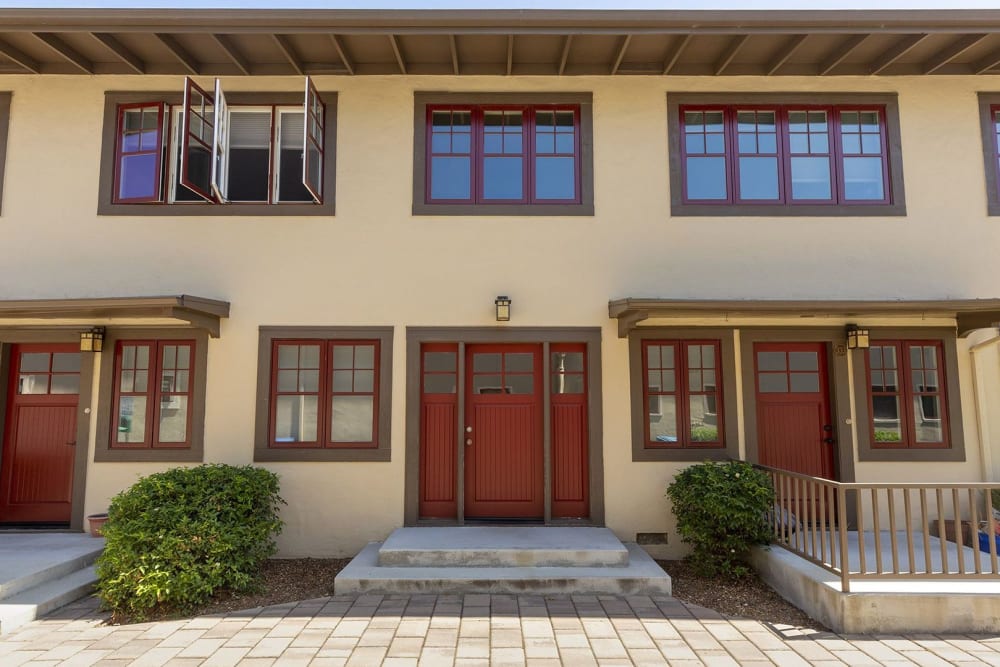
column 641, row 576
column 37, row 601
column 502, row 546
column 27, row 561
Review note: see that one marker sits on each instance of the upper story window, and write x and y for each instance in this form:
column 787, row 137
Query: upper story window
column 989, row 112
column 242, row 151
column 772, row 156
column 503, row 154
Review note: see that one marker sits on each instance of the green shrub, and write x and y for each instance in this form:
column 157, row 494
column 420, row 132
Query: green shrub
column 886, row 436
column 176, row 537
column 721, row 512
column 704, row 433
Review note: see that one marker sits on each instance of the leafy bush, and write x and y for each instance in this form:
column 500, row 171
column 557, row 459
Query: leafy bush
column 721, row 512
column 176, row 537
column 704, row 433
column 887, row 436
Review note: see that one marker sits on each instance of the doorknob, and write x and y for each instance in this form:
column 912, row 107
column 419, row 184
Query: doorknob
column 71, row 443
column 468, row 441
column 827, row 427
column 829, row 441
column 468, row 429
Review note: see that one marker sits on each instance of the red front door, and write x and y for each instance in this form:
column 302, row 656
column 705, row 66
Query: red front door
column 39, row 440
column 794, row 429
column 504, row 468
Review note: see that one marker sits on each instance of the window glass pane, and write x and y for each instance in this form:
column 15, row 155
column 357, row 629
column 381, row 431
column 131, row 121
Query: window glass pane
column 138, row 176
column 440, row 361
column 343, row 356
column 771, row 383
column 927, row 413
column 131, row 419
column 364, row 356
column 184, row 356
column 694, row 381
column 930, row 356
column 694, row 144
column 758, row 178
column 520, row 384
column 694, row 356
column 451, row 178
column 567, row 361
column 706, row 178
column 141, row 381
column 811, row 178
column 663, row 419
column 126, row 382
column 352, row 419
column 871, row 144
column 308, row 380
column 343, row 381
column 702, row 425
column 288, row 356
column 35, row 362
column 173, row 419
column 567, row 384
column 805, row 383
column 519, row 362
column 66, row 384
column 295, row 418
column 863, row 178
column 169, row 360
column 885, row 416
column 32, row 384
column 364, row 381
column 803, row 361
column 249, row 162
column 291, row 137
column 851, row 143
column 485, row 362
column 440, row 384
column 288, row 381
column 555, row 178
column 771, row 361
column 503, row 178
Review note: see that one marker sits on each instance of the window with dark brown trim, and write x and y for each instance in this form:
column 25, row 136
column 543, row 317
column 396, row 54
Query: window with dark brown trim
column 151, row 405
column 323, row 394
column 907, row 394
column 989, row 111
column 682, row 390
column 785, row 155
column 503, row 154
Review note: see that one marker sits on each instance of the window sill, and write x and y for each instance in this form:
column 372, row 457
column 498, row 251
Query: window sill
column 147, row 455
column 681, row 454
column 905, row 454
column 217, row 210
column 805, row 210
column 302, row 454
column 554, row 210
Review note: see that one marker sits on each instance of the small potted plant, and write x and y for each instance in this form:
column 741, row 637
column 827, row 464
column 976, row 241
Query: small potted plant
column 97, row 522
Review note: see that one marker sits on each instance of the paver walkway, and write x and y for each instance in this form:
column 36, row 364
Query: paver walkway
column 420, row 630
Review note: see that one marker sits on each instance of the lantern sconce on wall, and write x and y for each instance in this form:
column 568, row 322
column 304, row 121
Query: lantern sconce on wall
column 857, row 337
column 503, row 308
column 92, row 340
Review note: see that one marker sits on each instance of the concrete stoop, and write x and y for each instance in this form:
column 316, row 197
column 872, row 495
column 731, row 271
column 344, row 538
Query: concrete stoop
column 41, row 572
column 881, row 606
column 503, row 559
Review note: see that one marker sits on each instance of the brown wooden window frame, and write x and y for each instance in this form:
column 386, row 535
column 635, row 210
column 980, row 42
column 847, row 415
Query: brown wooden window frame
column 475, row 205
column 989, row 107
column 893, row 204
column 323, row 448
column 151, row 449
column 109, row 203
column 682, row 392
column 905, row 394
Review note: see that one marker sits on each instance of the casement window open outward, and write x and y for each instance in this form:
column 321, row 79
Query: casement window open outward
column 207, row 150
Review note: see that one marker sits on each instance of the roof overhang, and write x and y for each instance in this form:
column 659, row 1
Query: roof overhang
column 969, row 314
column 225, row 42
column 190, row 310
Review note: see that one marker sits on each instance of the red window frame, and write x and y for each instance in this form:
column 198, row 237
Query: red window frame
column 905, row 394
column 154, row 394
column 324, row 394
column 683, row 394
column 835, row 145
column 477, row 154
column 121, row 154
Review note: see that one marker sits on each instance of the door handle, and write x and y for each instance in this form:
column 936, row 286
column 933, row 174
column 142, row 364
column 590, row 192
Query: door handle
column 71, row 443
column 468, row 441
column 827, row 427
column 829, row 441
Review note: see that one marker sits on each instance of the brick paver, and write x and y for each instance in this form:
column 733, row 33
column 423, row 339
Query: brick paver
column 455, row 630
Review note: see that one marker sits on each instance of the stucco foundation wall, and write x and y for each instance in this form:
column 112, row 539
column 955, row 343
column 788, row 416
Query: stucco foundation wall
column 374, row 263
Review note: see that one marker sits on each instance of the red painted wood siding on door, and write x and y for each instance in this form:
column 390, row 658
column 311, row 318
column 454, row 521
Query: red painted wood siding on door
column 793, row 407
column 570, row 473
column 36, row 474
column 504, row 467
column 438, row 431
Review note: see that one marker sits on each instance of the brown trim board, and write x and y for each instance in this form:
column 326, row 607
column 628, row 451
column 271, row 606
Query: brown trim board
column 4, row 130
column 416, row 336
column 105, row 205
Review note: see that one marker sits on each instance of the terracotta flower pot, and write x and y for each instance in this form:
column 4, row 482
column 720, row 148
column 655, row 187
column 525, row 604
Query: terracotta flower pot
column 97, row 522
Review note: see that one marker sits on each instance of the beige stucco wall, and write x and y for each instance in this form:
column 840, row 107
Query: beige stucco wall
column 374, row 263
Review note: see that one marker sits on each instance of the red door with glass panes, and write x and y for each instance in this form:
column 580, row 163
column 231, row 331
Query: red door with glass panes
column 795, row 431
column 39, row 439
column 504, row 461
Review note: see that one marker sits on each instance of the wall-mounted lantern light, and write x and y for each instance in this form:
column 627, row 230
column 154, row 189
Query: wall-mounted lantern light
column 93, row 340
column 857, row 338
column 503, row 308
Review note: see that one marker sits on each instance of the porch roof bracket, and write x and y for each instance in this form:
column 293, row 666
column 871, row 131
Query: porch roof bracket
column 194, row 311
column 969, row 314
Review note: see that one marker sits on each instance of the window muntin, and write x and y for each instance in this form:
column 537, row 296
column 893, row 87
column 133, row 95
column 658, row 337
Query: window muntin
column 501, row 154
column 324, row 393
column 682, row 392
column 205, row 146
column 48, row 373
column 152, row 394
column 833, row 155
column 907, row 394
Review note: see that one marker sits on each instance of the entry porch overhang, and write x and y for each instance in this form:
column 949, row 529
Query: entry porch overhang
column 969, row 314
column 193, row 311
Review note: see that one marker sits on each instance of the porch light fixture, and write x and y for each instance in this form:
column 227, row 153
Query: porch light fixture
column 503, row 308
column 93, row 340
column 857, row 338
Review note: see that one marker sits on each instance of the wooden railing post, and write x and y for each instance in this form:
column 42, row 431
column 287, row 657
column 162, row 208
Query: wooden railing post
column 845, row 563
